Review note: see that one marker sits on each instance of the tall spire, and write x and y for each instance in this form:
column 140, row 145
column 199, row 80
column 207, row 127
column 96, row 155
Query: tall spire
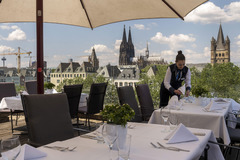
column 147, row 51
column 220, row 39
column 129, row 36
column 124, row 39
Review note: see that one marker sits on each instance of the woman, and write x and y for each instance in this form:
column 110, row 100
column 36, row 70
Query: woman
column 175, row 75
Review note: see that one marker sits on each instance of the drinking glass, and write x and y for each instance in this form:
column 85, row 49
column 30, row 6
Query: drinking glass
column 165, row 114
column 173, row 121
column 109, row 133
column 10, row 148
column 124, row 147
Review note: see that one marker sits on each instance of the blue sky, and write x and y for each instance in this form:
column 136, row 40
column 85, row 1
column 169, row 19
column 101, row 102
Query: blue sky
column 165, row 37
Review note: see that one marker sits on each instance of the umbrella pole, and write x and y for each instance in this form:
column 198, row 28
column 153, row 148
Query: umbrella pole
column 39, row 32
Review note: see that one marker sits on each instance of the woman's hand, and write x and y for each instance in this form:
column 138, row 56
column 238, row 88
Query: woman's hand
column 178, row 92
column 187, row 93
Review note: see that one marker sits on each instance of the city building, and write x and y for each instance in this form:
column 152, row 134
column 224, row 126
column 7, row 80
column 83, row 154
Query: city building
column 220, row 49
column 72, row 69
column 127, row 54
column 109, row 72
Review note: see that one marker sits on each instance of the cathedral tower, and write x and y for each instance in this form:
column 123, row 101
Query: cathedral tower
column 220, row 49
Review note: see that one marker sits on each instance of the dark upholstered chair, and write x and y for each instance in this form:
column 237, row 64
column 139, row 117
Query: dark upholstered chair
column 47, row 118
column 73, row 95
column 145, row 100
column 31, row 87
column 95, row 101
column 126, row 95
column 9, row 90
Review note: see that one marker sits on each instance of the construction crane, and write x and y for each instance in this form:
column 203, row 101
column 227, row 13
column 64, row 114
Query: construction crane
column 18, row 57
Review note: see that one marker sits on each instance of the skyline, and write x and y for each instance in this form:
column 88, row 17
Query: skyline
column 164, row 36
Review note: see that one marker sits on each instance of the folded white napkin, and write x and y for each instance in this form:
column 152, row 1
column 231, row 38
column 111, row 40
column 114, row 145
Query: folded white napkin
column 180, row 134
column 54, row 91
column 215, row 105
column 25, row 93
column 28, row 152
column 174, row 103
column 182, row 89
column 235, row 105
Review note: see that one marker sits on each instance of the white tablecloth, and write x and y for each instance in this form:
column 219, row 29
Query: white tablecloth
column 13, row 103
column 142, row 135
column 83, row 100
column 193, row 116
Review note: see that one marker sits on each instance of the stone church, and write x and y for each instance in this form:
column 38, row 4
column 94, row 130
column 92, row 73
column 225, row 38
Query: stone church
column 220, row 49
column 127, row 54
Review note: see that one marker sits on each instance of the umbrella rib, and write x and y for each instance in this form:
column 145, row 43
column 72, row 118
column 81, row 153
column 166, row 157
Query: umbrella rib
column 86, row 14
column 173, row 9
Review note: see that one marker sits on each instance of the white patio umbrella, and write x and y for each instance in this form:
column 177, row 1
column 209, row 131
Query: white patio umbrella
column 88, row 13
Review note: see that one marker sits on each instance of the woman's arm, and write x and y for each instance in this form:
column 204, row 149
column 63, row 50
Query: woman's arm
column 167, row 80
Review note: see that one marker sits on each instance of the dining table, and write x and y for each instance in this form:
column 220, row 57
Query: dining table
column 143, row 134
column 15, row 102
column 196, row 116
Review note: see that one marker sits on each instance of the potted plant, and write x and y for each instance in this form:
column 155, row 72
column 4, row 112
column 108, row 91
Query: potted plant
column 118, row 115
column 49, row 87
column 199, row 91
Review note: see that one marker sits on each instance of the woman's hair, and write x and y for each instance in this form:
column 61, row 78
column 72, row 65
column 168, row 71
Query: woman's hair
column 180, row 56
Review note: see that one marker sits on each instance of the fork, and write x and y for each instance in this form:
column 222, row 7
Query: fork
column 172, row 148
column 60, row 148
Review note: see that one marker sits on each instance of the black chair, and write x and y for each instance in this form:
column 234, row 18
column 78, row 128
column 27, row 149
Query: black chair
column 126, row 95
column 47, row 118
column 9, row 90
column 73, row 94
column 94, row 102
column 31, row 87
column 145, row 100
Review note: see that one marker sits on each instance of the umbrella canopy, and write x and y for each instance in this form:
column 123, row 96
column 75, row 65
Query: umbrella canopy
column 94, row 13
column 88, row 13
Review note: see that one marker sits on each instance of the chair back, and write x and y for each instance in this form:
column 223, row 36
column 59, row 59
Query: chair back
column 7, row 90
column 47, row 118
column 31, row 87
column 145, row 100
column 73, row 95
column 96, row 98
column 126, row 95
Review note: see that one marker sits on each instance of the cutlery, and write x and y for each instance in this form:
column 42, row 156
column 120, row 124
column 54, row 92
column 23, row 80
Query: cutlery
column 172, row 148
column 60, row 148
column 199, row 134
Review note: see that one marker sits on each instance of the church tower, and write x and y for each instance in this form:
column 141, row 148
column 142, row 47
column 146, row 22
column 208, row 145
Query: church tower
column 93, row 60
column 124, row 58
column 126, row 53
column 220, row 49
column 131, row 51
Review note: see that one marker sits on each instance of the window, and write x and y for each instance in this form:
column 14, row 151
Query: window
column 59, row 75
column 128, row 75
column 125, row 84
column 70, row 75
column 62, row 75
column 216, row 55
column 130, row 84
column 56, row 75
column 219, row 54
column 223, row 54
column 123, row 75
column 51, row 75
column 58, row 81
column 83, row 75
column 116, row 84
column 120, row 84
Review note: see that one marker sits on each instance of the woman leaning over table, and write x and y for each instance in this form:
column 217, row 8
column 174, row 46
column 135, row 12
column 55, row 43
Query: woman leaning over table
column 175, row 75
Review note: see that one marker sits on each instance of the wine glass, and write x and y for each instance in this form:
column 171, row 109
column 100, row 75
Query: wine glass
column 10, row 148
column 165, row 114
column 109, row 133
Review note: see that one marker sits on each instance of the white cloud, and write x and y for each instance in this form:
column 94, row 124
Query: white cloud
column 99, row 48
column 174, row 41
column 139, row 26
column 107, row 58
column 210, row 13
column 238, row 40
column 5, row 27
column 18, row 34
column 6, row 49
column 117, row 44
